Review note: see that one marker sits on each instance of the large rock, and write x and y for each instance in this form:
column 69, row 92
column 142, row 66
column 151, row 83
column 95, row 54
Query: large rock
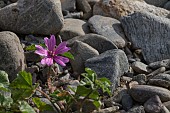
column 119, row 8
column 74, row 27
column 149, row 32
column 12, row 55
column 98, row 42
column 81, row 52
column 108, row 27
column 32, row 17
column 110, row 64
column 141, row 93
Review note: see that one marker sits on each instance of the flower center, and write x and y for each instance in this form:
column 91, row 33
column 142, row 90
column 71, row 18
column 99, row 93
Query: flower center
column 51, row 53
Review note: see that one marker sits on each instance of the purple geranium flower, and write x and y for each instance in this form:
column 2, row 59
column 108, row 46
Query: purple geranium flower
column 52, row 52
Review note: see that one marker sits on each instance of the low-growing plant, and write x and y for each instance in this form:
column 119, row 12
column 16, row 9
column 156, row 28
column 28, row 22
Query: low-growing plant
column 87, row 89
column 14, row 96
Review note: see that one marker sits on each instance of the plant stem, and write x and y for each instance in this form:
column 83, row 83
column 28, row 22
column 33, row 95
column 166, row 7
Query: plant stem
column 43, row 93
column 49, row 82
column 82, row 102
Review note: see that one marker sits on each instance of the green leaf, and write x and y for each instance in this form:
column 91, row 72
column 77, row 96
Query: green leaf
column 21, row 94
column 42, row 106
column 4, row 77
column 104, row 84
column 68, row 55
column 83, row 91
column 21, row 87
column 97, row 103
column 4, row 87
column 23, row 80
column 5, row 101
column 30, row 48
column 94, row 95
column 25, row 107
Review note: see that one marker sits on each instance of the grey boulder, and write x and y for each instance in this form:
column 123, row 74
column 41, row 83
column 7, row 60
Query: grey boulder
column 81, row 52
column 98, row 42
column 42, row 17
column 74, row 27
column 149, row 32
column 12, row 55
column 110, row 64
column 108, row 27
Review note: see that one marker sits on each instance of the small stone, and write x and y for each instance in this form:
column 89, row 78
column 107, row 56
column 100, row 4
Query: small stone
column 153, row 105
column 32, row 69
column 112, row 109
column 137, row 109
column 156, row 72
column 132, row 83
column 141, row 93
column 83, row 5
column 158, row 64
column 118, row 94
column 162, row 80
column 140, row 78
column 140, row 67
column 127, row 102
column 126, row 79
column 69, row 5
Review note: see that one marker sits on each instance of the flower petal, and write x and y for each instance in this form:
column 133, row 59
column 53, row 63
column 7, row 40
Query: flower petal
column 43, row 61
column 61, row 60
column 50, row 43
column 62, row 48
column 40, row 50
column 47, row 61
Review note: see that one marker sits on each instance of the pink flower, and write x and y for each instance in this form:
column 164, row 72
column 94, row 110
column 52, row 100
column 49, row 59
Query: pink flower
column 51, row 53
